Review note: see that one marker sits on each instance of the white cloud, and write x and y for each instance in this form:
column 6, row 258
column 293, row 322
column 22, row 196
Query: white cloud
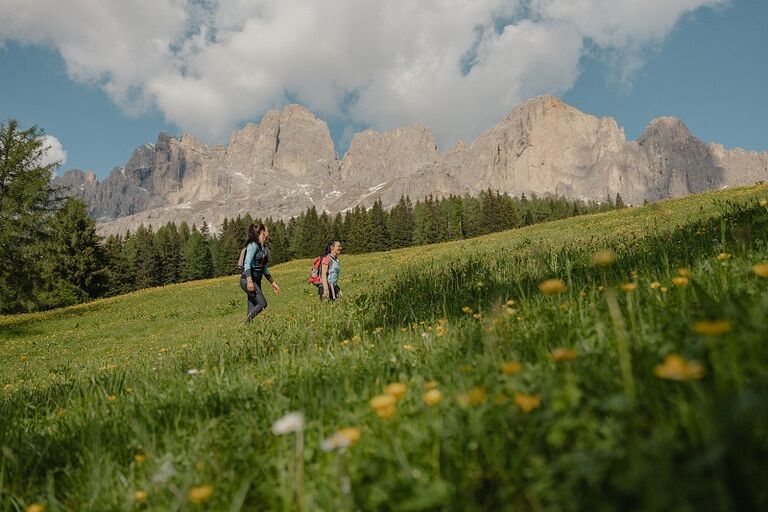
column 454, row 65
column 55, row 151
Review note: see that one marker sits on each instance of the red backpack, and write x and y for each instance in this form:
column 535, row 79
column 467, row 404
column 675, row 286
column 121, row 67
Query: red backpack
column 316, row 275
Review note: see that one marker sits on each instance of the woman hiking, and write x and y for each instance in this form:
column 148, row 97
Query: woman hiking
column 254, row 267
column 330, row 270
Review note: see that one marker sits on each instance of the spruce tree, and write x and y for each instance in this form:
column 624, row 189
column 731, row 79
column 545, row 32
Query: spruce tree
column 148, row 268
column 337, row 228
column 195, row 258
column 27, row 200
column 401, row 223
column 278, row 242
column 359, row 230
column 168, row 244
column 74, row 263
column 378, row 239
column 117, row 266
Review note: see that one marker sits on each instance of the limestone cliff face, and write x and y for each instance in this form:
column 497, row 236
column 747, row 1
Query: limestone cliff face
column 376, row 157
column 287, row 163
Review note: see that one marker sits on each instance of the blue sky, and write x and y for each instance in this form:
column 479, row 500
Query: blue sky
column 710, row 69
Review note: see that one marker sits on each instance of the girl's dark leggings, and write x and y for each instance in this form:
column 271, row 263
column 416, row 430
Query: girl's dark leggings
column 256, row 300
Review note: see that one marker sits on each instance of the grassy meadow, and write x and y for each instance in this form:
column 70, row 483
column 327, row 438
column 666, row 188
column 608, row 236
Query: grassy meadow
column 530, row 375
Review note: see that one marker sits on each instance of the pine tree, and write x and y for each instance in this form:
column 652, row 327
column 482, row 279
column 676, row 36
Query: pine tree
column 75, row 263
column 619, row 201
column 184, row 233
column 26, row 202
column 195, row 258
column 168, row 244
column 337, row 228
column 360, row 228
column 401, row 224
column 148, row 269
column 298, row 238
column 278, row 242
column 231, row 240
column 378, row 239
column 453, row 211
column 130, row 253
column 117, row 266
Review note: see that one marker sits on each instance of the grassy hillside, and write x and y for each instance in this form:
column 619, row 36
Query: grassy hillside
column 562, row 401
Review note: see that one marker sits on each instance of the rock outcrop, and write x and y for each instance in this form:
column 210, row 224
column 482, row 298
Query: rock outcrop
column 287, row 163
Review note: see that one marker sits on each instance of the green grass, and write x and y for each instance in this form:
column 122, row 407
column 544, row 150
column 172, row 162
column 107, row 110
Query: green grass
column 85, row 389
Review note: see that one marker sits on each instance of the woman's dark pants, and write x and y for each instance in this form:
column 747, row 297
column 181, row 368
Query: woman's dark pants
column 256, row 300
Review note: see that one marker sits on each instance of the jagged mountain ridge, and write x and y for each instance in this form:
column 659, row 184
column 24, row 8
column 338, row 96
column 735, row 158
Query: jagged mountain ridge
column 287, row 163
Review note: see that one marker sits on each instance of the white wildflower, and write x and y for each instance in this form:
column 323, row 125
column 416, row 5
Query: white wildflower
column 291, row 422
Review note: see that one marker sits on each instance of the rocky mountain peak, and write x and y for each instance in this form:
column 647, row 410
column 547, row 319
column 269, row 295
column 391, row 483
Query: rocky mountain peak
column 666, row 128
column 376, row 157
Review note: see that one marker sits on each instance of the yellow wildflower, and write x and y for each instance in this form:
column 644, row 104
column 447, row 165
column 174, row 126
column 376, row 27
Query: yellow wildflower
column 139, row 458
column 675, row 367
column 432, row 397
column 712, row 327
column 432, row 384
column 723, row 256
column 140, row 496
column 763, row 202
column 603, row 258
column 527, row 402
column 628, row 287
column 378, row 330
column 663, row 289
column 36, row 507
column 655, row 285
column 384, row 405
column 478, row 316
column 760, row 269
column 111, row 398
column 24, row 358
column 634, row 273
column 344, row 343
column 475, row 396
column 511, row 367
column 511, row 302
column 441, row 330
column 351, row 434
column 200, row 494
column 467, row 310
column 563, row 354
column 552, row 287
column 680, row 281
column 397, row 390
column 408, row 347
column 356, row 339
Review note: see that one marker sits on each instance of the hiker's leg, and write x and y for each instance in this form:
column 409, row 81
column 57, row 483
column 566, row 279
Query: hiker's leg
column 259, row 301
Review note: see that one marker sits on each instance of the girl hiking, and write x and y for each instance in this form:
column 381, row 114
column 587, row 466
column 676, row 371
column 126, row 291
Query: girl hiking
column 254, row 267
column 330, row 270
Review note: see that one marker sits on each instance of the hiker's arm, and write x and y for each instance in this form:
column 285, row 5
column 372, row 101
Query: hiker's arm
column 324, row 273
column 275, row 288
column 247, row 264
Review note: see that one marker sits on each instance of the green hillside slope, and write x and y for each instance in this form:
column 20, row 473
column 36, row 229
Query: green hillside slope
column 539, row 401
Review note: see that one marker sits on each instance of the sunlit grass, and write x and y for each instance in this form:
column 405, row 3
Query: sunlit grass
column 574, row 364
